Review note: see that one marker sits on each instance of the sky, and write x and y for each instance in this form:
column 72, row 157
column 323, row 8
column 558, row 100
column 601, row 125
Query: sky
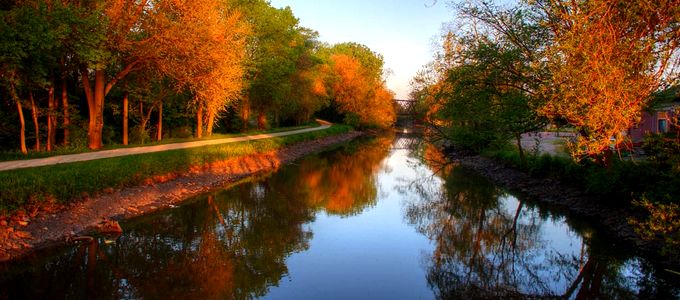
column 403, row 31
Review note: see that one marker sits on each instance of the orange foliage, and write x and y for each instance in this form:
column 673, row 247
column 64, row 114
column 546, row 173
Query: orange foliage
column 209, row 40
column 348, row 184
column 606, row 60
column 357, row 93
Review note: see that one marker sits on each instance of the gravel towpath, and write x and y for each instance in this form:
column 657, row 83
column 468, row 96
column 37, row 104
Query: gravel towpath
column 62, row 159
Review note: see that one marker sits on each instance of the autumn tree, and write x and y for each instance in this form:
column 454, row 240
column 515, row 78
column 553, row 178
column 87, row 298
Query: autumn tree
column 606, row 59
column 181, row 40
column 309, row 93
column 357, row 88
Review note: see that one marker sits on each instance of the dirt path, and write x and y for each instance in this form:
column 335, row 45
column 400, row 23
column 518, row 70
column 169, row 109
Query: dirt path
column 28, row 233
column 62, row 159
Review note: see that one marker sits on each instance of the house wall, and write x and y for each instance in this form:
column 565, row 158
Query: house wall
column 650, row 124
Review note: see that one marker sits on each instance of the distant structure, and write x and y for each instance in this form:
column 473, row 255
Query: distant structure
column 657, row 121
column 406, row 113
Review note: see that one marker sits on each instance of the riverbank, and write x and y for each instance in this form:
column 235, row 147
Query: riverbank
column 51, row 225
column 613, row 220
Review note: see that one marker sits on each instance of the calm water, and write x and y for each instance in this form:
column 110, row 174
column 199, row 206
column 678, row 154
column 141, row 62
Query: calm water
column 371, row 220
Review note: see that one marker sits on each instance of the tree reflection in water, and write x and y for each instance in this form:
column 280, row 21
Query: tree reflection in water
column 489, row 244
column 228, row 245
column 234, row 244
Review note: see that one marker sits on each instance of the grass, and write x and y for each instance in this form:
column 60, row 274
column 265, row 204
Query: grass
column 68, row 181
column 619, row 183
column 60, row 150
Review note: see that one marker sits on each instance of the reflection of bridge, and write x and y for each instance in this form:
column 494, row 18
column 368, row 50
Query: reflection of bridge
column 406, row 141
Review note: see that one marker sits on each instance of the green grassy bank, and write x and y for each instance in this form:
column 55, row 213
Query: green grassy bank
column 68, row 181
column 62, row 150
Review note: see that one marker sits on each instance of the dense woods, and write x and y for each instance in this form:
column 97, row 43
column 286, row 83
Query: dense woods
column 78, row 74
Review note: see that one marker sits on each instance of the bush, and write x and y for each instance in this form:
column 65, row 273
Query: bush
column 621, row 180
column 662, row 223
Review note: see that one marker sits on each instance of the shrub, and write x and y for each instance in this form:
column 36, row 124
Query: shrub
column 662, row 223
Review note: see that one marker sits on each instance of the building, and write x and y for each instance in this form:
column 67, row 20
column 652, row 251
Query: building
column 659, row 120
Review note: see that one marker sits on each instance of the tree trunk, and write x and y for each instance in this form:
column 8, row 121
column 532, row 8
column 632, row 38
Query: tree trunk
column 159, row 127
column 51, row 117
column 211, row 123
column 522, row 158
column 64, row 105
column 261, row 119
column 95, row 139
column 22, row 121
column 245, row 114
column 125, row 119
column 95, row 103
column 199, row 122
column 145, row 117
column 34, row 114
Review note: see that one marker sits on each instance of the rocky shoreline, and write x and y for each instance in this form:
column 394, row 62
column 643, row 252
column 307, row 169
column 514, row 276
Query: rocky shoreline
column 613, row 220
column 43, row 228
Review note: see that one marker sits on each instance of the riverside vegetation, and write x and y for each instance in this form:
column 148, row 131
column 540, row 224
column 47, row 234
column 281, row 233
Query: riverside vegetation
column 64, row 183
column 594, row 66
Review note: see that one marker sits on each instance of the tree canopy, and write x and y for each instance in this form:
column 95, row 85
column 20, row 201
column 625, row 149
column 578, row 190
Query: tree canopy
column 80, row 67
column 592, row 64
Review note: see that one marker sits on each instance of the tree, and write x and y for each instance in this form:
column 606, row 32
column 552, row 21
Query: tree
column 606, row 58
column 482, row 87
column 357, row 88
column 275, row 49
column 189, row 42
column 33, row 37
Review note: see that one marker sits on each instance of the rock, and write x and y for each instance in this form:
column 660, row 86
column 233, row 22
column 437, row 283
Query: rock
column 4, row 256
column 109, row 227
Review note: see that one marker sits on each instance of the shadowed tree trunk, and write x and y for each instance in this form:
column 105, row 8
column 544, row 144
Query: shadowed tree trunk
column 245, row 113
column 34, row 114
column 199, row 122
column 159, row 127
column 22, row 121
column 522, row 158
column 51, row 117
column 64, row 106
column 145, row 117
column 261, row 119
column 125, row 118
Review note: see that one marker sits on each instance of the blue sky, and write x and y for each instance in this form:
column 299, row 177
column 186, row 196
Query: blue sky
column 401, row 30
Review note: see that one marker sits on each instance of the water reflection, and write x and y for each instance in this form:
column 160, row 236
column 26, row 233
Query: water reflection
column 489, row 244
column 228, row 245
column 341, row 224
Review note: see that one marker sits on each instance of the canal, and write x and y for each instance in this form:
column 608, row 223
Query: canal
column 373, row 219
